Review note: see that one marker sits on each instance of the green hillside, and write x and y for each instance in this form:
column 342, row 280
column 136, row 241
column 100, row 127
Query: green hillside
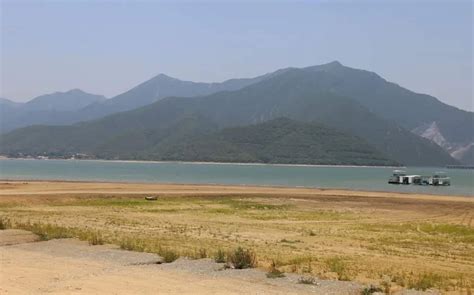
column 196, row 139
column 277, row 141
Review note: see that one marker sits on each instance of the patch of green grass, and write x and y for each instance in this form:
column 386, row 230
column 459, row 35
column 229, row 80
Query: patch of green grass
column 112, row 202
column 461, row 233
column 225, row 211
column 241, row 204
column 295, row 215
column 165, row 210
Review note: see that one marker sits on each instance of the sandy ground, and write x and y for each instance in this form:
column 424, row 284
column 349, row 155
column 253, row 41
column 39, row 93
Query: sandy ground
column 16, row 236
column 376, row 233
column 73, row 267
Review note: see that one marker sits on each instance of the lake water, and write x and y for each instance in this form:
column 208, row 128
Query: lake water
column 358, row 178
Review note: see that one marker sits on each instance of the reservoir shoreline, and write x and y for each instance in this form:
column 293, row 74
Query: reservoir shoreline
column 356, row 178
column 207, row 163
column 225, row 188
column 61, row 188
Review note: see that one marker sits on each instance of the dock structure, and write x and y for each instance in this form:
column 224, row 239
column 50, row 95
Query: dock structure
column 438, row 179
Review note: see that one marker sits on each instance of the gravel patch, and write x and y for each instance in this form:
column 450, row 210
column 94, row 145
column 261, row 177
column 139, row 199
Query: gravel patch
column 73, row 248
column 207, row 267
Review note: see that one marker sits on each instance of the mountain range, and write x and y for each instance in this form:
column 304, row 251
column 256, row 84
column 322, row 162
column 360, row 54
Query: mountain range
column 64, row 108
column 393, row 121
column 54, row 108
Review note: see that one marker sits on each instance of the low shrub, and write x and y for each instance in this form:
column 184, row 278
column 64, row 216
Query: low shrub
column 95, row 239
column 168, row 255
column 242, row 258
column 219, row 257
column 127, row 244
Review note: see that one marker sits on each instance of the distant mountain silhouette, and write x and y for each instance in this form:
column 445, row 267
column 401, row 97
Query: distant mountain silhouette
column 156, row 88
column 45, row 109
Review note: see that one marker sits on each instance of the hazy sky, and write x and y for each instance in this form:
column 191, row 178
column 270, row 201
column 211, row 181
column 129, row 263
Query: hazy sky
column 107, row 47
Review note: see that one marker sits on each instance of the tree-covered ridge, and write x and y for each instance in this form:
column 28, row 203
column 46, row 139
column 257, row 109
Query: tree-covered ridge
column 281, row 140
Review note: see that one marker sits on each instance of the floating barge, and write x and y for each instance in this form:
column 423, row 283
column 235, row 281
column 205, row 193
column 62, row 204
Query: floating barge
column 460, row 167
column 401, row 177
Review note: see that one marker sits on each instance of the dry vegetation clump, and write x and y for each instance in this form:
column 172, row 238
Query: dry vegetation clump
column 274, row 272
column 4, row 223
column 371, row 290
column 306, row 280
column 150, row 246
column 242, row 258
column 168, row 255
column 337, row 265
column 47, row 231
column 201, row 253
column 426, row 281
column 96, row 238
column 220, row 256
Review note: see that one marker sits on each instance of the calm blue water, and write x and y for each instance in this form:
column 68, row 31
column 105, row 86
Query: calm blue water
column 361, row 178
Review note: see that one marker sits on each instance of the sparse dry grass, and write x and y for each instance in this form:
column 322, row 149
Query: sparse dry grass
column 417, row 242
